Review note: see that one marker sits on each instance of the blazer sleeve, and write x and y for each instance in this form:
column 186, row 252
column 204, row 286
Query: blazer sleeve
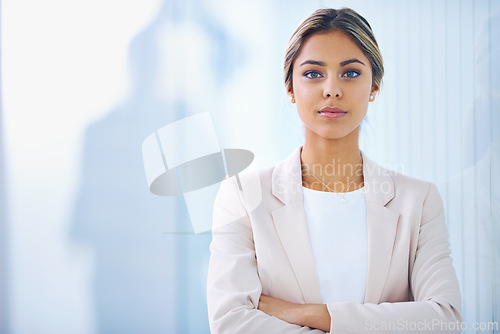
column 233, row 284
column 433, row 282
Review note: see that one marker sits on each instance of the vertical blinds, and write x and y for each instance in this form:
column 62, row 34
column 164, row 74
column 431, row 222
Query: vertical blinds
column 438, row 119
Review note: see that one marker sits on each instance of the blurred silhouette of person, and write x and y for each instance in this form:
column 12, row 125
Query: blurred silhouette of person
column 150, row 269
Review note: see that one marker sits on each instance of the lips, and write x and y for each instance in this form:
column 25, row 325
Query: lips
column 332, row 112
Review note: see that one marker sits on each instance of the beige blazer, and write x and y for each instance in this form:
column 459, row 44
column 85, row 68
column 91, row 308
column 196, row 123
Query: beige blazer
column 261, row 245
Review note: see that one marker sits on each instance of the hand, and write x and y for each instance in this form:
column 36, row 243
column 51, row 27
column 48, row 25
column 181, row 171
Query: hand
column 281, row 309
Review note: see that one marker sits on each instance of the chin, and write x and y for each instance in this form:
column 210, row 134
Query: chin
column 336, row 134
column 330, row 132
column 332, row 135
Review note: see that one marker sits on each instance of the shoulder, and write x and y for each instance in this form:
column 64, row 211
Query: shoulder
column 401, row 182
column 416, row 193
column 405, row 182
column 287, row 170
column 397, row 189
column 269, row 187
column 248, row 189
column 250, row 178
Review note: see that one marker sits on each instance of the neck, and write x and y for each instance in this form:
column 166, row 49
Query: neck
column 336, row 162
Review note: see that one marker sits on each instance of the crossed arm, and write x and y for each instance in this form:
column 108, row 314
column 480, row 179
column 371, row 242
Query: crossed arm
column 234, row 290
column 236, row 303
column 309, row 315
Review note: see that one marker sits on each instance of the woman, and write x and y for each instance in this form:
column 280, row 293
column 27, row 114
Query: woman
column 327, row 240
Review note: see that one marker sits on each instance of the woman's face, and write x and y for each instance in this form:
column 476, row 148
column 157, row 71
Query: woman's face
column 332, row 83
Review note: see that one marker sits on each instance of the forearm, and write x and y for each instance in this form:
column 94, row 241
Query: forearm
column 408, row 317
column 305, row 315
column 251, row 321
column 315, row 316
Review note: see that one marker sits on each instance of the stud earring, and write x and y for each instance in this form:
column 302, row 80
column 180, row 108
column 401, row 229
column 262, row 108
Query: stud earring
column 372, row 98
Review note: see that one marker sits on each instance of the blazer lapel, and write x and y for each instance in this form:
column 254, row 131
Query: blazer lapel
column 291, row 226
column 381, row 223
column 290, row 223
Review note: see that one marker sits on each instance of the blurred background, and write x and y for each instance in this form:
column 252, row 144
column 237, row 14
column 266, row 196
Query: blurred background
column 86, row 248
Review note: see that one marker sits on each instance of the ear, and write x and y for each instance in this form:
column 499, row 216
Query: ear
column 374, row 92
column 292, row 96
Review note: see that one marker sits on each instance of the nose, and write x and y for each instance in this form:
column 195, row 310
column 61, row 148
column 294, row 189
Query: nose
column 332, row 89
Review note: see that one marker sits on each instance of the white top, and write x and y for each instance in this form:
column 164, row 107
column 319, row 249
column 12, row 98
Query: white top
column 338, row 238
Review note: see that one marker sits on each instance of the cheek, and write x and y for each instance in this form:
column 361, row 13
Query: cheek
column 361, row 94
column 303, row 92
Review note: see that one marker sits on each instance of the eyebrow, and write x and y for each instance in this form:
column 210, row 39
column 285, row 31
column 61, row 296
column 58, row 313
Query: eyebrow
column 349, row 61
column 314, row 62
column 321, row 63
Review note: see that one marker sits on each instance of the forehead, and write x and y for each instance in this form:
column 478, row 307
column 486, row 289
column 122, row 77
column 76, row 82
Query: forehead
column 333, row 46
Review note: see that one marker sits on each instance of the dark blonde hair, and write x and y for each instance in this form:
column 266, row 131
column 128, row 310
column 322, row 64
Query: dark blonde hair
column 329, row 19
